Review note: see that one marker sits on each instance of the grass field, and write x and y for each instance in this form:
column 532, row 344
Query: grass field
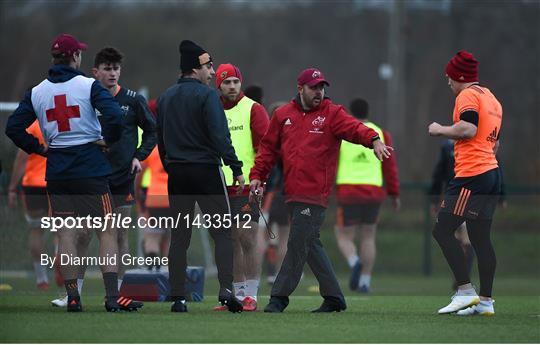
column 402, row 309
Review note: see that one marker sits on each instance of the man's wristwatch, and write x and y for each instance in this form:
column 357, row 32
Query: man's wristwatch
column 376, row 137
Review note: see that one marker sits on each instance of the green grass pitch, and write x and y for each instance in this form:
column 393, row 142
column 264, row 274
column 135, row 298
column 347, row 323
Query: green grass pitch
column 403, row 309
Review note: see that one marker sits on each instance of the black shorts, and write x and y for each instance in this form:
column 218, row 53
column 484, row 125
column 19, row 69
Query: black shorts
column 473, row 197
column 123, row 194
column 357, row 214
column 80, row 197
column 35, row 200
column 241, row 206
column 278, row 213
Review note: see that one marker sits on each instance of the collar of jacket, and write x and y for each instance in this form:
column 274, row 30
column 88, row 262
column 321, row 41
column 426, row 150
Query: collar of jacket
column 188, row 80
column 62, row 73
column 228, row 104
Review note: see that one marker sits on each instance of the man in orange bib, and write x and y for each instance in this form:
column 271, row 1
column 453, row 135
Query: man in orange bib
column 31, row 168
column 472, row 195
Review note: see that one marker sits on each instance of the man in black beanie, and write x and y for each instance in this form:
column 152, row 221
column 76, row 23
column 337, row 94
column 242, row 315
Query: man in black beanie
column 193, row 140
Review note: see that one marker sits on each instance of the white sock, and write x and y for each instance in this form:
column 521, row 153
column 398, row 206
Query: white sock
column 41, row 272
column 120, row 283
column 252, row 288
column 239, row 290
column 352, row 260
column 486, row 303
column 80, row 284
column 467, row 292
column 365, row 280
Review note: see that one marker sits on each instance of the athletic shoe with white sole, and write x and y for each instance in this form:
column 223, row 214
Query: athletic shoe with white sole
column 460, row 302
column 60, row 302
column 481, row 309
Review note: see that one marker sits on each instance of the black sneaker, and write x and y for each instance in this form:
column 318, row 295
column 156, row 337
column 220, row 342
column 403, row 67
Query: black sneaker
column 74, row 304
column 122, row 304
column 179, row 306
column 330, row 305
column 276, row 304
column 232, row 303
column 273, row 308
column 355, row 276
column 127, row 304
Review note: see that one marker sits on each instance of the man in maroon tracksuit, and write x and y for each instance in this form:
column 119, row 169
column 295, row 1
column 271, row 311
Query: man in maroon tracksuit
column 307, row 134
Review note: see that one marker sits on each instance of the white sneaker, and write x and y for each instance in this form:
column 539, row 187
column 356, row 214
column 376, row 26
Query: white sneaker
column 479, row 309
column 60, row 302
column 460, row 302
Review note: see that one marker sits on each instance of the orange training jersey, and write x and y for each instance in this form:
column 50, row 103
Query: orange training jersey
column 475, row 156
column 34, row 175
column 156, row 195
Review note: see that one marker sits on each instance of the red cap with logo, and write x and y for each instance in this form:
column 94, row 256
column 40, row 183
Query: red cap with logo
column 66, row 44
column 225, row 71
column 311, row 77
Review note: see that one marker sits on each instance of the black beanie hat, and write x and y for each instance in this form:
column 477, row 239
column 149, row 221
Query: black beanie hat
column 192, row 56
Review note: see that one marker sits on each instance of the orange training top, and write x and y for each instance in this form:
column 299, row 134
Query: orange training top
column 34, row 174
column 475, row 156
column 156, row 195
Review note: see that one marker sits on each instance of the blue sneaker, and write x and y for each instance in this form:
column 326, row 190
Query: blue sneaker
column 355, row 276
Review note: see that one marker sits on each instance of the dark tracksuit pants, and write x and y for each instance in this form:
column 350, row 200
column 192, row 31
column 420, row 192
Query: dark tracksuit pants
column 204, row 184
column 304, row 245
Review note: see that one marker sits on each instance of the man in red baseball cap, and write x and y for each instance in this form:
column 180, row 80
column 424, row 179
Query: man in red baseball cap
column 306, row 133
column 471, row 196
column 66, row 46
column 66, row 105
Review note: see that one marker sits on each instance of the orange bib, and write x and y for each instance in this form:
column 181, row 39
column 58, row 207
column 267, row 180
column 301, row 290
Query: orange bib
column 475, row 156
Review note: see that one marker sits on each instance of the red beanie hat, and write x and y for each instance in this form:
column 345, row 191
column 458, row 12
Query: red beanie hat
column 463, row 67
column 225, row 71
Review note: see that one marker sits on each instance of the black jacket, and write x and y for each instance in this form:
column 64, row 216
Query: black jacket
column 120, row 154
column 192, row 127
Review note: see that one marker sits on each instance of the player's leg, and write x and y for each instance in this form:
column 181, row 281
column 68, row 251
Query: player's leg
column 95, row 200
column 321, row 266
column 368, row 252
column 484, row 204
column 252, row 265
column 468, row 251
column 301, row 235
column 123, row 240
column 239, row 278
column 61, row 204
column 369, row 215
column 283, row 233
column 123, row 202
column 36, row 206
column 215, row 203
column 345, row 230
column 182, row 202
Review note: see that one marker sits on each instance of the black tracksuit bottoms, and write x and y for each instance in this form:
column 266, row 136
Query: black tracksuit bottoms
column 203, row 184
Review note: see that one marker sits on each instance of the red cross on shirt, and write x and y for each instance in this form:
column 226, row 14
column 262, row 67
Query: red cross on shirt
column 62, row 113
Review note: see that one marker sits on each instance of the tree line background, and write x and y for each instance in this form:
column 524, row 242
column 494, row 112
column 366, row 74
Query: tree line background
column 272, row 41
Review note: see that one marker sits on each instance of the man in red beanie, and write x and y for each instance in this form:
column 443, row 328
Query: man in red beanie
column 307, row 134
column 472, row 195
column 248, row 122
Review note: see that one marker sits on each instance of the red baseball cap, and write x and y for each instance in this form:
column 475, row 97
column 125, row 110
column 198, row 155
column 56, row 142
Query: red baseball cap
column 66, row 44
column 311, row 77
